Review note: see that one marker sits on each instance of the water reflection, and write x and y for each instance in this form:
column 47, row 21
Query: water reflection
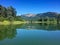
column 42, row 26
column 9, row 31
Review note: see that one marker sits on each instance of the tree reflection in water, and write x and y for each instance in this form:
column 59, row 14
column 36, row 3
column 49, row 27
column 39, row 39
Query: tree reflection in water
column 42, row 26
column 7, row 32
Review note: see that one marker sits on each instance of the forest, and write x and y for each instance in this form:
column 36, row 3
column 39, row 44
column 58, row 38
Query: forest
column 9, row 14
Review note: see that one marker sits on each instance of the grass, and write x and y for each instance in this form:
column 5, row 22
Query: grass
column 22, row 22
column 13, row 22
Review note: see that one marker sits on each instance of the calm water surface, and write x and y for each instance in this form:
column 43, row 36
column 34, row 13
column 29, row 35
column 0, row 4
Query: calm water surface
column 30, row 34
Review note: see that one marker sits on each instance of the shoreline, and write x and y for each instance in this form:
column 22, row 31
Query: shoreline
column 24, row 22
column 13, row 22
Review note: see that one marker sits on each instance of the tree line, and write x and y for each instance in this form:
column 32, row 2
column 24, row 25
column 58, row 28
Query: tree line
column 8, row 13
column 50, row 16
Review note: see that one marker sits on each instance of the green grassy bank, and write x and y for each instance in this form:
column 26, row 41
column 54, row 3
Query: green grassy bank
column 23, row 22
column 13, row 22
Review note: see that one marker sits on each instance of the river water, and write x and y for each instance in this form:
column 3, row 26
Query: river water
column 30, row 34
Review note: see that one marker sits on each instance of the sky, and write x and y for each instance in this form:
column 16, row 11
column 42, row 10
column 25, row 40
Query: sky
column 32, row 6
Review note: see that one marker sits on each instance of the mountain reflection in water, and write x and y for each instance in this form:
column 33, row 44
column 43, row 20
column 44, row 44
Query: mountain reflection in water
column 9, row 31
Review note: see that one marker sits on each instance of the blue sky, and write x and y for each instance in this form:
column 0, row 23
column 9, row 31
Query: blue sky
column 33, row 6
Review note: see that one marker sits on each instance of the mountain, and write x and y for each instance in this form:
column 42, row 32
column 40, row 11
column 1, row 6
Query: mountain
column 49, row 14
column 29, row 17
column 38, row 16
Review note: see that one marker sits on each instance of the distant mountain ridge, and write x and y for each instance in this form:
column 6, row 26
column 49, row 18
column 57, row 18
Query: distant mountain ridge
column 29, row 16
column 37, row 16
column 49, row 14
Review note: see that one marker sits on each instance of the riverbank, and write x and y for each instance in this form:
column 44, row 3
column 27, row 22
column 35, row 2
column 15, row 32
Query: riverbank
column 13, row 22
column 46, row 22
column 23, row 22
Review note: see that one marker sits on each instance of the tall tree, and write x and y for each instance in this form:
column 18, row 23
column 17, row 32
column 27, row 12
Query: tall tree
column 11, row 11
column 58, row 18
column 3, row 11
column 0, row 10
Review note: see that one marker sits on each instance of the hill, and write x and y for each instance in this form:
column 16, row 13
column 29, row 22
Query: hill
column 38, row 16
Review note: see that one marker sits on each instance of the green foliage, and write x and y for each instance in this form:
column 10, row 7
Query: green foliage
column 11, row 18
column 1, row 19
column 18, row 18
column 11, row 11
column 9, row 14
